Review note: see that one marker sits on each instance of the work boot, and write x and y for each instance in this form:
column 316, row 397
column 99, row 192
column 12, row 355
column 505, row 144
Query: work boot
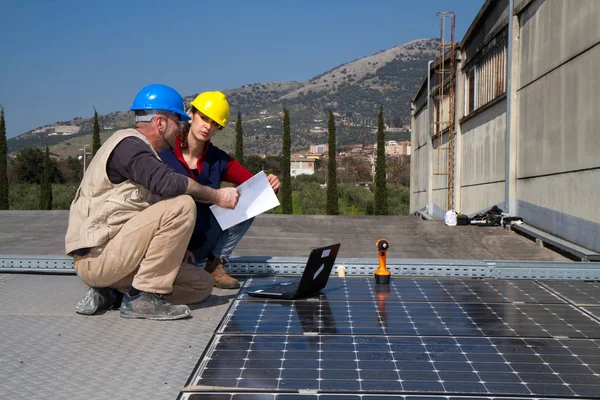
column 98, row 299
column 151, row 306
column 222, row 279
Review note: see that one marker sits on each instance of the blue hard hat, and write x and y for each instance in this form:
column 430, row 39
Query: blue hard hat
column 160, row 97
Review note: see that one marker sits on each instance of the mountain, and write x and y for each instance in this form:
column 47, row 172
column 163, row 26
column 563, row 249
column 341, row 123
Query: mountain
column 353, row 91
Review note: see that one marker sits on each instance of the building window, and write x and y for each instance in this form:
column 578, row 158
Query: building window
column 471, row 86
column 486, row 79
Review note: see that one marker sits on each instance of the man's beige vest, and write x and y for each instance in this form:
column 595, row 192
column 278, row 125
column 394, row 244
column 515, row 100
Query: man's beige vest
column 100, row 208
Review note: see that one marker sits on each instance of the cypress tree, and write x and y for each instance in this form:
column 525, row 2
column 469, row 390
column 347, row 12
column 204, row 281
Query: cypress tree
column 381, row 200
column 239, row 139
column 46, row 186
column 286, row 181
column 332, row 192
column 3, row 163
column 96, row 135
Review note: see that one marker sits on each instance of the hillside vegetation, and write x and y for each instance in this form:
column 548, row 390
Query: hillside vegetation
column 354, row 91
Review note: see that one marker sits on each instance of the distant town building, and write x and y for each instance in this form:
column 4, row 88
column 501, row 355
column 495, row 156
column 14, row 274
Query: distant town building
column 61, row 130
column 319, row 148
column 302, row 166
column 393, row 148
column 352, row 148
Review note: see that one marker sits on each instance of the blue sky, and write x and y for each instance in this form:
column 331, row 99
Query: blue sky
column 61, row 58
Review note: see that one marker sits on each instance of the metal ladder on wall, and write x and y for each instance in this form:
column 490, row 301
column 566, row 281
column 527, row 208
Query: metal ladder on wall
column 444, row 103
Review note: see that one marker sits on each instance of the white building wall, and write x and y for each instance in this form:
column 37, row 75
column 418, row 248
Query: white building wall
column 418, row 162
column 558, row 167
column 439, row 168
column 554, row 31
column 302, row 167
column 483, row 159
column 306, row 171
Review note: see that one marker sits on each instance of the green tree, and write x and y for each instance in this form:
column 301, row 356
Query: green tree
column 46, row 186
column 381, row 200
column 312, row 199
column 286, row 180
column 74, row 165
column 96, row 134
column 332, row 191
column 28, row 163
column 3, row 163
column 269, row 164
column 27, row 166
column 254, row 164
column 399, row 200
column 239, row 139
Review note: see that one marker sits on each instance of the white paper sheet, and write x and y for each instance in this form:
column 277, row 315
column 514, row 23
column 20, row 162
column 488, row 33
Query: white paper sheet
column 256, row 197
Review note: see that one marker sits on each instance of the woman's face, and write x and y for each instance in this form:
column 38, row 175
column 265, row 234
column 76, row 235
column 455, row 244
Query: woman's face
column 202, row 127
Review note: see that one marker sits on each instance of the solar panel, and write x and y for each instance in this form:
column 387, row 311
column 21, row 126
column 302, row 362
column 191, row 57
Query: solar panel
column 506, row 366
column 400, row 318
column 289, row 396
column 595, row 311
column 423, row 338
column 580, row 293
column 433, row 290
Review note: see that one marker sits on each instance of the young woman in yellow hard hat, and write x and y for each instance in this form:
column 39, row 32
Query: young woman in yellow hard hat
column 194, row 155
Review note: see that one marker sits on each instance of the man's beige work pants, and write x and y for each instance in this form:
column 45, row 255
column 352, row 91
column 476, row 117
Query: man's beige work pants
column 147, row 254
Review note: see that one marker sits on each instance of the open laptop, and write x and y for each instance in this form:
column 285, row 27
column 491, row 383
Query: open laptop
column 315, row 276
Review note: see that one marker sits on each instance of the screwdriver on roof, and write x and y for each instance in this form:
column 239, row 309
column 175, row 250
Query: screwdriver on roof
column 382, row 274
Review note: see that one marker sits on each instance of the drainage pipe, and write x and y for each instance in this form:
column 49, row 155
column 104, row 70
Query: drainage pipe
column 428, row 138
column 507, row 166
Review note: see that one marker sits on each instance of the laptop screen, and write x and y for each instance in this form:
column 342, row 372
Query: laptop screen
column 318, row 268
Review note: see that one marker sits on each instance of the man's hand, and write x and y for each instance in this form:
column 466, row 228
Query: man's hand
column 227, row 197
column 274, row 182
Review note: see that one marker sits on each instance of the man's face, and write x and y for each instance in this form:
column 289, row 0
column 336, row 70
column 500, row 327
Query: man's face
column 173, row 127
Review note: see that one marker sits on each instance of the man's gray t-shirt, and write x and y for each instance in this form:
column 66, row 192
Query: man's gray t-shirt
column 133, row 160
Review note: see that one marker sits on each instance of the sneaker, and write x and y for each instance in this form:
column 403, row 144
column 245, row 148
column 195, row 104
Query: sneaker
column 151, row 306
column 222, row 279
column 98, row 299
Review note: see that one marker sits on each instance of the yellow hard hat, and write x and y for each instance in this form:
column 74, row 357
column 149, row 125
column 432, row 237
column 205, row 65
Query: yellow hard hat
column 214, row 105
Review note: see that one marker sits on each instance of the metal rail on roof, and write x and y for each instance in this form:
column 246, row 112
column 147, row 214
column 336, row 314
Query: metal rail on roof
column 354, row 267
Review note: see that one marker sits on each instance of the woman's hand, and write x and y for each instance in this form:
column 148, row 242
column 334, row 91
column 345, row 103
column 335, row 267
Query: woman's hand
column 189, row 257
column 274, row 182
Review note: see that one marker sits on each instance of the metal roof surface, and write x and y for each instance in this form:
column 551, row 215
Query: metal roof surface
column 48, row 351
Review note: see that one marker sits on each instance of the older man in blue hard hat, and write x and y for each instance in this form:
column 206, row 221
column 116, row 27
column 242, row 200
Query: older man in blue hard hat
column 132, row 217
